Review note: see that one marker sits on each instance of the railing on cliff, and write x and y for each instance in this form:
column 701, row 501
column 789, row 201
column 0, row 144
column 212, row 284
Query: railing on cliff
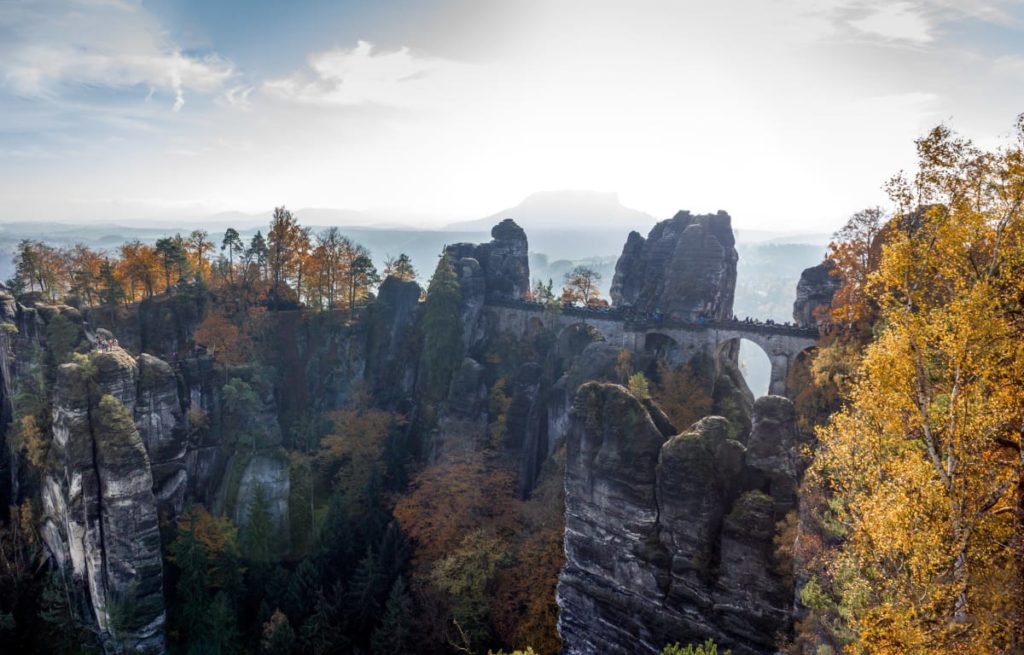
column 638, row 322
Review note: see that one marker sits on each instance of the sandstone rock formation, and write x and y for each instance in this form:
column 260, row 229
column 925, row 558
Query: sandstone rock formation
column 814, row 293
column 685, row 269
column 100, row 512
column 498, row 270
column 669, row 538
column 390, row 358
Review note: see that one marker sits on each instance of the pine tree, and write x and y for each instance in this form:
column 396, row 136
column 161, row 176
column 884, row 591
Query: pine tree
column 394, row 552
column 112, row 293
column 442, row 330
column 56, row 615
column 393, row 635
column 336, row 543
column 224, row 636
column 193, row 600
column 366, row 594
column 232, row 243
column 400, row 268
column 301, row 594
column 324, row 631
column 258, row 533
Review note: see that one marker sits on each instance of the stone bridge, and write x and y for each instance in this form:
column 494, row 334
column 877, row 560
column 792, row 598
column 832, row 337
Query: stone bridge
column 782, row 343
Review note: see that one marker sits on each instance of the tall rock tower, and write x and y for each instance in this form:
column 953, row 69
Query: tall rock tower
column 685, row 269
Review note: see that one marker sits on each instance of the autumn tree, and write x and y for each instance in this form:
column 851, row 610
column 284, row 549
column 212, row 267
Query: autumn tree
column 39, row 267
column 853, row 251
column 198, row 246
column 85, row 269
column 282, row 257
column 581, row 286
column 355, row 446
column 924, row 460
column 140, row 266
column 683, row 393
column 303, row 250
column 223, row 339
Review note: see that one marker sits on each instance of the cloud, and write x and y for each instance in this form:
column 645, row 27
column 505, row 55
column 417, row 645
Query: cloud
column 63, row 48
column 901, row 21
column 363, row 75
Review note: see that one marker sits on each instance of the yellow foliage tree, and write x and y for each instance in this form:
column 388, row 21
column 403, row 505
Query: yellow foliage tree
column 354, row 447
column 924, row 460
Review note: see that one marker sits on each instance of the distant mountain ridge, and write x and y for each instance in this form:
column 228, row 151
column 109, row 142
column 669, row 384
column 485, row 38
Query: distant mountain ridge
column 547, row 210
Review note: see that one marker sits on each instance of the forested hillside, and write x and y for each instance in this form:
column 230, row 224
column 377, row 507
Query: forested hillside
column 218, row 444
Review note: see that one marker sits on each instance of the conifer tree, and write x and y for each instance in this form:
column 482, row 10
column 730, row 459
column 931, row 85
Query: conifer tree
column 442, row 330
column 366, row 594
column 258, row 534
column 393, row 635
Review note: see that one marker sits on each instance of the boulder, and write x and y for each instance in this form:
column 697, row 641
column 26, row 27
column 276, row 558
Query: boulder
column 814, row 293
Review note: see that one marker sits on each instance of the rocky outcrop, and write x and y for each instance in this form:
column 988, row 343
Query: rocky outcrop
column 391, row 340
column 498, row 270
column 160, row 422
column 814, row 294
column 462, row 426
column 669, row 538
column 266, row 480
column 685, row 269
column 100, row 512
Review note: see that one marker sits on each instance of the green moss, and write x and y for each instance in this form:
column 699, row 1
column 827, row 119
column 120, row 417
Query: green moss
column 752, row 501
column 114, row 425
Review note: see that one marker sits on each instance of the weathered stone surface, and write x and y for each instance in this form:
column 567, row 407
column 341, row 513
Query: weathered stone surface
column 462, row 426
column 498, row 270
column 685, row 269
column 160, row 421
column 270, row 473
column 671, row 539
column 390, row 354
column 610, row 519
column 526, row 425
column 814, row 293
column 100, row 513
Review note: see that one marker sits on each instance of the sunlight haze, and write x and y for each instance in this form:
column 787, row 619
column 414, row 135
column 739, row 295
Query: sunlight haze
column 781, row 112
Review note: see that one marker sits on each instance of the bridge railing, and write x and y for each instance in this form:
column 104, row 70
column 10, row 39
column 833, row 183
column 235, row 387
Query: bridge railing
column 639, row 322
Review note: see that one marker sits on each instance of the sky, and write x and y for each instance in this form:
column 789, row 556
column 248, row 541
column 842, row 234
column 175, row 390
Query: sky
column 789, row 114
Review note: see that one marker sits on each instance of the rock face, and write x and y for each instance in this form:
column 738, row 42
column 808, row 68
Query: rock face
column 160, row 422
column 498, row 270
column 100, row 512
column 390, row 359
column 814, row 293
column 669, row 538
column 685, row 269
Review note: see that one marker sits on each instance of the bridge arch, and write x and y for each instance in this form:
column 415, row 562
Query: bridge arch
column 754, row 362
column 571, row 340
column 664, row 348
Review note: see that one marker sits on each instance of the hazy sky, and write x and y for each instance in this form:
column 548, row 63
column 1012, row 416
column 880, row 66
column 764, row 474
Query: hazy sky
column 790, row 114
